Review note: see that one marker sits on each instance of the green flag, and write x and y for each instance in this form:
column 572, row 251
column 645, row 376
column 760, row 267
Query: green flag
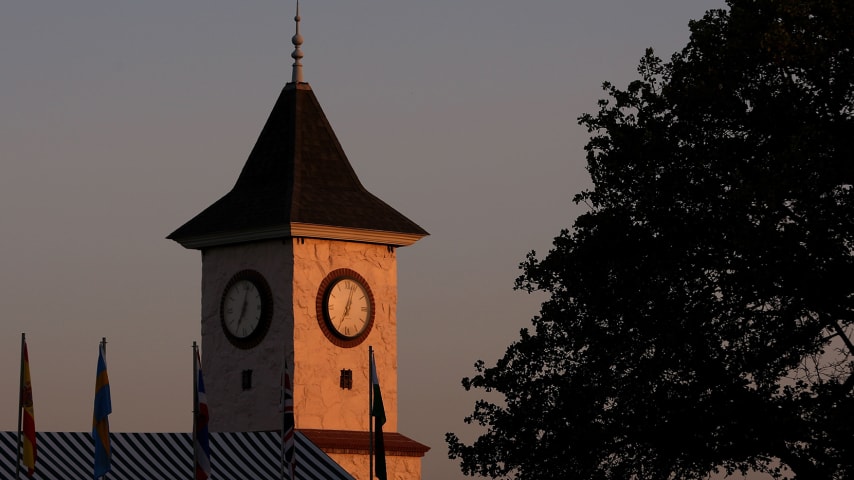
column 378, row 412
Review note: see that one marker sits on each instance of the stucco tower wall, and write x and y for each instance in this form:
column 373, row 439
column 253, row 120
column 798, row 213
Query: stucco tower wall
column 232, row 408
column 397, row 467
column 319, row 401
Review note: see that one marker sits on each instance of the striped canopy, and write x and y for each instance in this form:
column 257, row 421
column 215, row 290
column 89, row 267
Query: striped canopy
column 169, row 456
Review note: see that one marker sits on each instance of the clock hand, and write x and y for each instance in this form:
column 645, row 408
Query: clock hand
column 349, row 300
column 242, row 309
column 347, row 306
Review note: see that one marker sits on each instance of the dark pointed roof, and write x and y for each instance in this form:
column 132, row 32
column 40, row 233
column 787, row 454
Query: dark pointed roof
column 297, row 182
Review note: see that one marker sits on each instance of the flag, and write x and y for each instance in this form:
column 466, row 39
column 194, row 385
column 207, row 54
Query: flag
column 202, row 448
column 29, row 429
column 100, row 420
column 286, row 405
column 378, row 412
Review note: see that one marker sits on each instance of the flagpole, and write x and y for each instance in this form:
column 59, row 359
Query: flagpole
column 370, row 413
column 282, row 408
column 195, row 406
column 20, row 408
column 104, row 343
column 288, row 437
column 201, row 421
column 104, row 347
column 100, row 416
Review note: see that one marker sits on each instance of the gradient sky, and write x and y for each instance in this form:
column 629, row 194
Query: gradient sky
column 121, row 120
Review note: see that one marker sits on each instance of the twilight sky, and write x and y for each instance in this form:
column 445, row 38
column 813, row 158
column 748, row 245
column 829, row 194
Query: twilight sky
column 121, row 120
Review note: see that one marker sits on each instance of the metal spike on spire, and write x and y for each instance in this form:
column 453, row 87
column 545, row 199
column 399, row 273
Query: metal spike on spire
column 296, row 76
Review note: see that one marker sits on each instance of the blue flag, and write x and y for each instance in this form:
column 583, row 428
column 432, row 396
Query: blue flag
column 100, row 422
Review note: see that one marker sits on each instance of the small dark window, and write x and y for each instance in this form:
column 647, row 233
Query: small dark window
column 346, row 380
column 246, row 379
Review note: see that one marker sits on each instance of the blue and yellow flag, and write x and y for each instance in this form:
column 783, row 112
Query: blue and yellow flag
column 100, row 422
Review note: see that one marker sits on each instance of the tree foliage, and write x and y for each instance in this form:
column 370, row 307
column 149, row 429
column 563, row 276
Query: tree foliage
column 700, row 312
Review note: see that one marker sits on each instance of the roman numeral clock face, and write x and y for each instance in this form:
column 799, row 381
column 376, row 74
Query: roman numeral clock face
column 346, row 307
column 246, row 309
column 242, row 309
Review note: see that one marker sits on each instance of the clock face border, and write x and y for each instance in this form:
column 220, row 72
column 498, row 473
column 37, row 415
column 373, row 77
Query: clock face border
column 260, row 283
column 323, row 320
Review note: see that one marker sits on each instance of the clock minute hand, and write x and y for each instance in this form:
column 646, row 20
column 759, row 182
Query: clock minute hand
column 349, row 300
column 347, row 306
column 242, row 309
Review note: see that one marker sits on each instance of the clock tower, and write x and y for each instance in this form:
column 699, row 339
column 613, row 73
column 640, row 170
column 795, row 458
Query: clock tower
column 299, row 268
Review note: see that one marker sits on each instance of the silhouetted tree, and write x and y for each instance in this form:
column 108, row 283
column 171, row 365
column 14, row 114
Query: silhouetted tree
column 700, row 313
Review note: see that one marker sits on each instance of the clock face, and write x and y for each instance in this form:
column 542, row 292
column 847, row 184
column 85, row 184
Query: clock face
column 246, row 309
column 345, row 307
column 242, row 308
column 348, row 307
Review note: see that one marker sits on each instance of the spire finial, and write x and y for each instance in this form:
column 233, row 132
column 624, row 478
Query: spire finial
column 296, row 76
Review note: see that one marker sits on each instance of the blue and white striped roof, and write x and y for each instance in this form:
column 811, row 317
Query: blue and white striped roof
column 169, row 456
